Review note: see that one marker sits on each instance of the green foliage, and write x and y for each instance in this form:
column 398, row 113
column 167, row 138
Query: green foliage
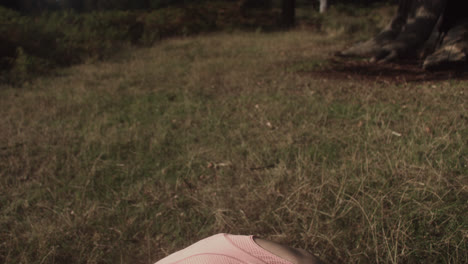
column 27, row 46
column 357, row 23
column 22, row 64
column 106, row 5
column 8, row 15
column 26, row 65
column 171, row 21
column 66, row 37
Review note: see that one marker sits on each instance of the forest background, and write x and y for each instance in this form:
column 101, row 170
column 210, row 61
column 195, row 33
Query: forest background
column 37, row 36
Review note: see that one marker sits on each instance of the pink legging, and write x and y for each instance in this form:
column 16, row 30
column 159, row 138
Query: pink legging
column 224, row 249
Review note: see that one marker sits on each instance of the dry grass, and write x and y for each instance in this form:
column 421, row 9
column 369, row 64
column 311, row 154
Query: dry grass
column 128, row 160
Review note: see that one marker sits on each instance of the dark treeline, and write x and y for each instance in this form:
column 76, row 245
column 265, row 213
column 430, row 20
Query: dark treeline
column 35, row 6
column 35, row 39
column 87, row 5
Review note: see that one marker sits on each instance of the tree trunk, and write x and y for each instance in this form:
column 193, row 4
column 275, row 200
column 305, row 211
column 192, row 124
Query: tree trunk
column 323, row 6
column 289, row 13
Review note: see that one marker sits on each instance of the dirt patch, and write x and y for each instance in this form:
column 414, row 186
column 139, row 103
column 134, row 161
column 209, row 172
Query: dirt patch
column 402, row 72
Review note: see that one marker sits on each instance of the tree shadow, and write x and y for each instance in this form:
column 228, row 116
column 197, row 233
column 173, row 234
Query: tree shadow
column 402, row 72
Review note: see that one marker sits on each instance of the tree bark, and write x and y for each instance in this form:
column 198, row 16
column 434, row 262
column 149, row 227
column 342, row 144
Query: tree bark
column 453, row 52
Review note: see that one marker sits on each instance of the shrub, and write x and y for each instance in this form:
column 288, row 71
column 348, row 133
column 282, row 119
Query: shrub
column 61, row 38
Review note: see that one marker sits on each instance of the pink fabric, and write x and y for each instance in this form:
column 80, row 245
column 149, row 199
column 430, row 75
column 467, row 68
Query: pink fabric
column 224, row 249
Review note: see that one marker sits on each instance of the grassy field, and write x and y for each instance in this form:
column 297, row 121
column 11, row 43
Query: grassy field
column 127, row 160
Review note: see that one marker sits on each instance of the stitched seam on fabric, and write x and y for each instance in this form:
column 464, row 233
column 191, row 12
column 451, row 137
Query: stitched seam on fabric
column 268, row 252
column 248, row 253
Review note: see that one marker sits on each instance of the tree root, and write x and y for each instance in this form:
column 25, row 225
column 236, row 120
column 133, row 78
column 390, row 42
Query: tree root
column 453, row 52
column 404, row 36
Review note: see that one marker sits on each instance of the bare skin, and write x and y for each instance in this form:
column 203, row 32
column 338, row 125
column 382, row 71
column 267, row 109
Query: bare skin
column 294, row 255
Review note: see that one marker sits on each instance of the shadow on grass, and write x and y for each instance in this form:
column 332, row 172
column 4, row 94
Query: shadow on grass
column 395, row 73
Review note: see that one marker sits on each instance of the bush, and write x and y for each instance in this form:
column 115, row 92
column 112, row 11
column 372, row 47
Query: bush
column 174, row 21
column 59, row 39
column 37, row 44
column 25, row 46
